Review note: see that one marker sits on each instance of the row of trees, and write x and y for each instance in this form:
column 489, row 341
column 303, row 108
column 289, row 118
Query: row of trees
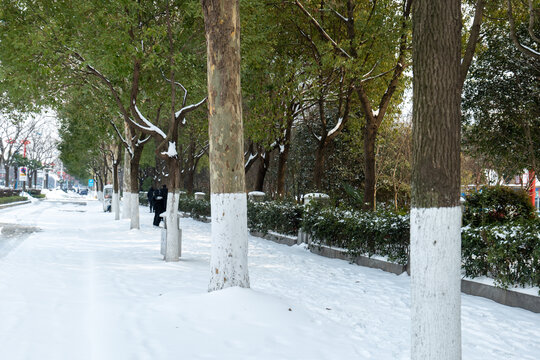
column 315, row 94
column 26, row 140
column 128, row 74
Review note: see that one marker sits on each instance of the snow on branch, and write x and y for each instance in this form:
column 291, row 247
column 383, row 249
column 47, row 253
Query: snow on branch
column 171, row 151
column 126, row 144
column 149, row 126
column 322, row 31
column 337, row 14
column 526, row 50
column 252, row 158
column 140, row 142
column 335, row 128
column 186, row 109
column 178, row 84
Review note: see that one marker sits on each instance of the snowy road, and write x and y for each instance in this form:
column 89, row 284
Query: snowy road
column 85, row 287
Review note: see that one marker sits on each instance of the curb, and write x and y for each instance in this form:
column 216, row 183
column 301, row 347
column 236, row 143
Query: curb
column 275, row 238
column 8, row 205
column 499, row 295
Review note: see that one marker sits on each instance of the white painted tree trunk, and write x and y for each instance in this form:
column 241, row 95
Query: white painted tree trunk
column 172, row 251
column 100, row 195
column 134, row 211
column 126, row 205
column 436, row 283
column 116, row 205
column 228, row 260
column 126, row 209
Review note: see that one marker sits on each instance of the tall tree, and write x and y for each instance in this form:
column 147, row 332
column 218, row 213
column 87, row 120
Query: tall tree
column 435, row 213
column 502, row 105
column 228, row 262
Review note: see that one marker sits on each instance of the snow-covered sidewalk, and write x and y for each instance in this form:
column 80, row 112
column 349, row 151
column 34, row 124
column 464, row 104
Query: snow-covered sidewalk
column 85, row 287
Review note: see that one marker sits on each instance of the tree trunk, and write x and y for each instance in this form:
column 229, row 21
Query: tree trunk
column 370, row 136
column 435, row 213
column 99, row 187
column 126, row 196
column 282, row 169
column 16, row 176
column 318, row 170
column 171, row 211
column 190, row 170
column 228, row 261
column 116, row 185
column 6, row 169
column 264, row 163
column 134, row 187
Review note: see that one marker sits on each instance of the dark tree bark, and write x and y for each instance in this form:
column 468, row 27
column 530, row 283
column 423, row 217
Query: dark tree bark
column 284, row 150
column 228, row 262
column 436, row 214
column 264, row 164
column 6, row 169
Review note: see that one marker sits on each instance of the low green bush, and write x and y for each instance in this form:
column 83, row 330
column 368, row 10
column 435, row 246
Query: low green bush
column 361, row 233
column 9, row 192
column 34, row 192
column 508, row 253
column 10, row 199
column 281, row 217
column 143, row 198
column 497, row 204
column 197, row 208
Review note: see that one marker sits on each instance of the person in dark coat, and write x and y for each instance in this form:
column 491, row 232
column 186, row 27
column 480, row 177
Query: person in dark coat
column 164, row 193
column 159, row 206
column 150, row 196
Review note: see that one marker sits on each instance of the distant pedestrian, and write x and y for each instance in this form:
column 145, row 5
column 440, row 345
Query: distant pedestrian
column 150, row 196
column 159, row 206
column 164, row 193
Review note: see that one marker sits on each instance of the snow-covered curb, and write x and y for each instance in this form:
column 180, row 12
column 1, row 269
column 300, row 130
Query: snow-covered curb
column 514, row 298
column 3, row 206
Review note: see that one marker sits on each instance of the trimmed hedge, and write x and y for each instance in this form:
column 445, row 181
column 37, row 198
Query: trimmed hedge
column 361, row 233
column 11, row 199
column 497, row 204
column 9, row 192
column 281, row 217
column 197, row 208
column 509, row 253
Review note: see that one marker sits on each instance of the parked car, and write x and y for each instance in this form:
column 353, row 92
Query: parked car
column 107, row 198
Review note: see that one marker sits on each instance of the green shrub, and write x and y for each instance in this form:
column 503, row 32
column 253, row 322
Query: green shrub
column 197, row 208
column 9, row 192
column 497, row 204
column 34, row 192
column 361, row 233
column 143, row 198
column 10, row 199
column 281, row 217
column 509, row 253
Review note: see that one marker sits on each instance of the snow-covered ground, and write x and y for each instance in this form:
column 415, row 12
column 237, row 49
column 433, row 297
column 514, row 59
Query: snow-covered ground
column 86, row 287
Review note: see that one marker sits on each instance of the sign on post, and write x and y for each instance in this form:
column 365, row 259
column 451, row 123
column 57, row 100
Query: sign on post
column 90, row 183
column 22, row 173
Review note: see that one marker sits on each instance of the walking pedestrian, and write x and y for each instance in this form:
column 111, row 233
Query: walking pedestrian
column 159, row 206
column 164, row 193
column 150, row 196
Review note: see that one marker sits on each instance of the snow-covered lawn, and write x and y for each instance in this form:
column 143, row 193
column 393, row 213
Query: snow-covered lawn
column 85, row 287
